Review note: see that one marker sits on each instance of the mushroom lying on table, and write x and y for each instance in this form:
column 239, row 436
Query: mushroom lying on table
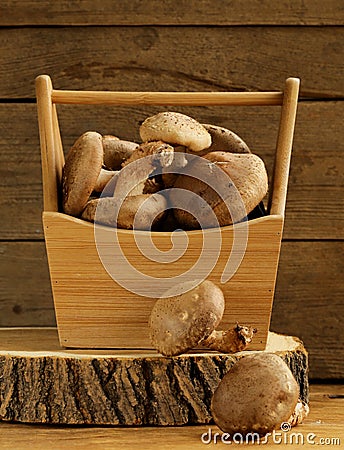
column 257, row 394
column 180, row 323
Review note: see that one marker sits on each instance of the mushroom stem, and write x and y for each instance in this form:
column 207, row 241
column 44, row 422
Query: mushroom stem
column 231, row 341
column 161, row 155
column 300, row 412
column 103, row 178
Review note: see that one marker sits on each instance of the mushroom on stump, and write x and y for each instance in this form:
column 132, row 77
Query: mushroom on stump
column 179, row 323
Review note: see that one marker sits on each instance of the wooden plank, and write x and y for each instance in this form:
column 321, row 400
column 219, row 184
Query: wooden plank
column 25, row 290
column 316, row 177
column 118, row 388
column 173, row 58
column 325, row 421
column 155, row 12
column 308, row 299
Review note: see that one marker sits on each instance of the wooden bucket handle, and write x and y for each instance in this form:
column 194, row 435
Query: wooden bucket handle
column 50, row 139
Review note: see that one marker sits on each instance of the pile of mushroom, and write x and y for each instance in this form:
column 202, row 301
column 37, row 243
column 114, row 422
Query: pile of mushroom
column 169, row 139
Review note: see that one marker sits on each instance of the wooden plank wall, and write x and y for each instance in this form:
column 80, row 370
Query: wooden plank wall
column 194, row 45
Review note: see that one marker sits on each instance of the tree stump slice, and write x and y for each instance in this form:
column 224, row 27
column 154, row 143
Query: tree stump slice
column 42, row 383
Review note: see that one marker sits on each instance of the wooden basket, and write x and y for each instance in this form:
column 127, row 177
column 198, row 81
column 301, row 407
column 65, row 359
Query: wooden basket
column 92, row 310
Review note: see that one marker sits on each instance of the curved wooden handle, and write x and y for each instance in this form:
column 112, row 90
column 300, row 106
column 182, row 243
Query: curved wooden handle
column 284, row 146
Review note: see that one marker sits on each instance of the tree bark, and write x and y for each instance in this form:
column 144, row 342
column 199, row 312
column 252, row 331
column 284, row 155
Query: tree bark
column 49, row 385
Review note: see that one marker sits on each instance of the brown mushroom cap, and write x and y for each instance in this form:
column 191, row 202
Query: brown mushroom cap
column 175, row 128
column 179, row 323
column 80, row 173
column 246, row 171
column 103, row 210
column 224, row 140
column 257, row 394
column 116, row 151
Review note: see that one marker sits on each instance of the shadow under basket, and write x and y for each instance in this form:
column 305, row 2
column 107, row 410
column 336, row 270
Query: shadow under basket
column 92, row 309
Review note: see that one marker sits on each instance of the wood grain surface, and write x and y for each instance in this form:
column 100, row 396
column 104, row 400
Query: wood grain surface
column 96, row 310
column 171, row 58
column 130, row 387
column 325, row 421
column 316, row 176
column 155, row 12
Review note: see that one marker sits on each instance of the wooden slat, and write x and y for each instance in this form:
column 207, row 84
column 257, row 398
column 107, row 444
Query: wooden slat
column 308, row 300
column 155, row 12
column 173, row 58
column 315, row 183
column 25, row 290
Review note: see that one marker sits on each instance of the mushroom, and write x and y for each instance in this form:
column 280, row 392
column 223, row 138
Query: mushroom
column 179, row 323
column 230, row 341
column 171, row 173
column 83, row 172
column 104, row 177
column 300, row 412
column 224, row 140
column 80, row 173
column 116, row 151
column 182, row 322
column 175, row 128
column 245, row 171
column 160, row 155
column 152, row 185
column 144, row 211
column 160, row 151
column 257, row 394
